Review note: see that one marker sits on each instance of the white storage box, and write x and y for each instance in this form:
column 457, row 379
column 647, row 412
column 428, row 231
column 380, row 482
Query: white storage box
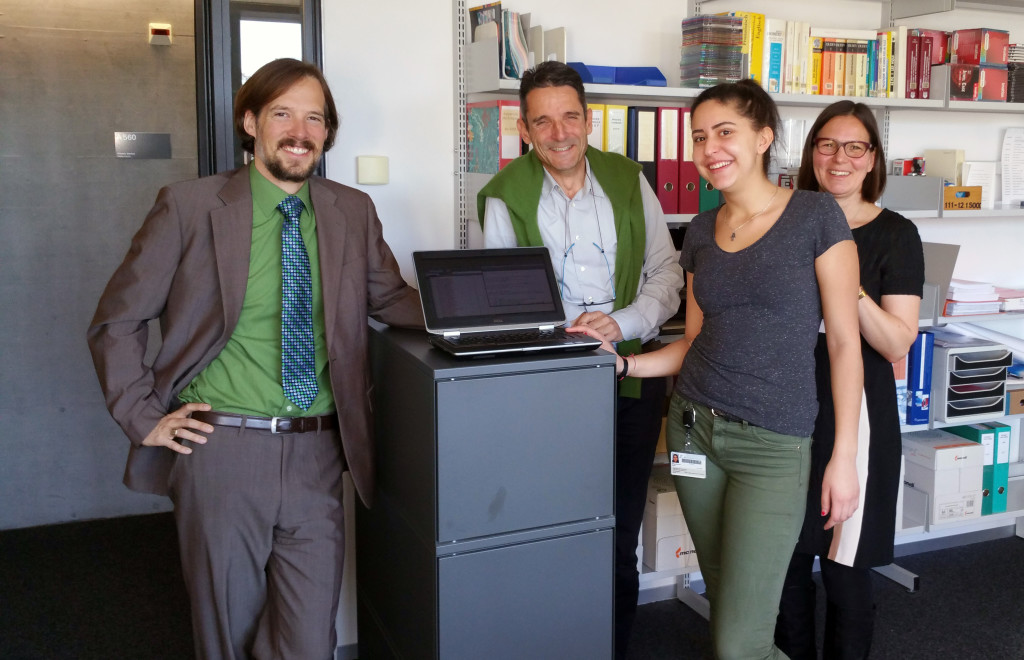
column 948, row 468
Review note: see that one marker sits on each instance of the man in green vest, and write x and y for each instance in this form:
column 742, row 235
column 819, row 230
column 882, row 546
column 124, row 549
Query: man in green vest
column 616, row 265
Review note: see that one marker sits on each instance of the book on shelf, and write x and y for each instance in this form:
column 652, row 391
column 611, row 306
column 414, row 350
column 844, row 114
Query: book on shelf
column 788, row 80
column 919, row 379
column 814, row 70
column 753, row 43
column 615, row 128
column 839, row 68
column 667, row 166
column 892, row 61
column 492, row 135
column 901, row 51
column 641, row 140
column 774, row 56
column 940, row 44
column 802, row 53
column 829, row 51
column 924, row 77
column 689, row 178
column 859, row 49
column 597, row 113
column 485, row 22
column 913, row 63
column 515, row 57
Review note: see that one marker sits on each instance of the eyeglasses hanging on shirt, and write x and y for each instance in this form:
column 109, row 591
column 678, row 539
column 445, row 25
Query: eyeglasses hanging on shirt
column 570, row 250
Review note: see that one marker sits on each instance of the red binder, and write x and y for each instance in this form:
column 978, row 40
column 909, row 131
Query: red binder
column 668, row 159
column 689, row 178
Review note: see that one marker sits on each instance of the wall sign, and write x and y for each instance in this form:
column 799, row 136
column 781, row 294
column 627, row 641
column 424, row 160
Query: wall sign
column 142, row 145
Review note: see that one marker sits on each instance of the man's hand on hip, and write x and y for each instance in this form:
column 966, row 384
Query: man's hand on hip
column 179, row 426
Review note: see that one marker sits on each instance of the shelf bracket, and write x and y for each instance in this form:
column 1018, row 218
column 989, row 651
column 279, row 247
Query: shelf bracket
column 461, row 97
column 900, row 575
column 687, row 594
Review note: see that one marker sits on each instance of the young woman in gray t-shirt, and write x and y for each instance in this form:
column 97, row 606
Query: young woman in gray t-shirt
column 763, row 270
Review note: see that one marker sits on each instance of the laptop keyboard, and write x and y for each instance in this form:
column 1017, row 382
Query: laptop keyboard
column 511, row 337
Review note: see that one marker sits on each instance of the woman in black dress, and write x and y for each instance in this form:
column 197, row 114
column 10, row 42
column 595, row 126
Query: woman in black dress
column 843, row 156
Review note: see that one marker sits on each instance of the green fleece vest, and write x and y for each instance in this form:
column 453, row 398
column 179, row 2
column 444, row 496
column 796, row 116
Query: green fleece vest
column 519, row 185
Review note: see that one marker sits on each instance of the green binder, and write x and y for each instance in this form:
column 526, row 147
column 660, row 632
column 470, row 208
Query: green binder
column 710, row 197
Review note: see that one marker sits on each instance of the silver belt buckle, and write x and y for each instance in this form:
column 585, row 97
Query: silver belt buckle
column 273, row 424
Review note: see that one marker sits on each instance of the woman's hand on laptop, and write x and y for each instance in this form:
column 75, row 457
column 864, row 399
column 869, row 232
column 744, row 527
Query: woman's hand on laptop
column 605, row 344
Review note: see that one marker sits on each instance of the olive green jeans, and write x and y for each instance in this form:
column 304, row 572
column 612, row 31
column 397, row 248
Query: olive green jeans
column 744, row 517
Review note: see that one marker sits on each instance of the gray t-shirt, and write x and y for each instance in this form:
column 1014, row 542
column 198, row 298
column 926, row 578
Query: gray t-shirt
column 754, row 356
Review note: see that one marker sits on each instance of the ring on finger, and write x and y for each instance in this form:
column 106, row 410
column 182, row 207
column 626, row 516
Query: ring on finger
column 174, row 433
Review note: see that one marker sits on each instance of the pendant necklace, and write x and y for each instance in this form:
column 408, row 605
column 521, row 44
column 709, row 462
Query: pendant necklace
column 732, row 237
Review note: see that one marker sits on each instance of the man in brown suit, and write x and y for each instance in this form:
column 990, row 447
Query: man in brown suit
column 255, row 477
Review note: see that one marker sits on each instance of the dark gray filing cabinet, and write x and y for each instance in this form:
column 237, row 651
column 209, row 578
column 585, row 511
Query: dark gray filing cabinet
column 491, row 532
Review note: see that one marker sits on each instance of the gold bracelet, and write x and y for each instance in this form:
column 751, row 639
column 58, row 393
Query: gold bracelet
column 862, row 293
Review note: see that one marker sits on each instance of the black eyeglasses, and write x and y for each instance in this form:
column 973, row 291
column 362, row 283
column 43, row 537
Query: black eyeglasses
column 853, row 148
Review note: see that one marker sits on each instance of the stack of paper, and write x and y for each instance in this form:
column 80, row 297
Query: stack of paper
column 981, row 173
column 1011, row 300
column 968, row 297
column 968, row 290
column 954, row 308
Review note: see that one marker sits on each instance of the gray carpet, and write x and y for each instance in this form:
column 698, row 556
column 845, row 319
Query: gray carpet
column 112, row 589
column 970, row 604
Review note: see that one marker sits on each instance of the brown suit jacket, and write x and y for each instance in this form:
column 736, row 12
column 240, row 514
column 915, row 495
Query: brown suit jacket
column 188, row 266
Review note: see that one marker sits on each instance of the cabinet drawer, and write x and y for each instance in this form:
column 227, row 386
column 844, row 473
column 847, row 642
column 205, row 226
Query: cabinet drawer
column 972, row 376
column 980, row 360
column 976, row 391
column 971, row 407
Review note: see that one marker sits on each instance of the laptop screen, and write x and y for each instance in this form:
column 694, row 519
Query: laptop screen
column 472, row 290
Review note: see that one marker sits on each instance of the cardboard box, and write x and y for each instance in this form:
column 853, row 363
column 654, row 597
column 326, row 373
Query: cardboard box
column 945, row 163
column 940, row 45
column 992, row 83
column 980, row 46
column 662, row 499
column 961, row 198
column 670, row 553
column 665, row 540
column 1014, row 399
column 909, row 166
column 963, row 82
column 948, row 468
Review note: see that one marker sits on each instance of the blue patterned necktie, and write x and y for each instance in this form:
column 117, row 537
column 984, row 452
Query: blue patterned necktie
column 298, row 357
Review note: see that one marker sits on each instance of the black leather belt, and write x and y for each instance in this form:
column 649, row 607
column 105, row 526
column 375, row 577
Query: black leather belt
column 272, row 424
column 726, row 416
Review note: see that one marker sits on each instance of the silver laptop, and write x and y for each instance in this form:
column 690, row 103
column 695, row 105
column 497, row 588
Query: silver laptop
column 478, row 303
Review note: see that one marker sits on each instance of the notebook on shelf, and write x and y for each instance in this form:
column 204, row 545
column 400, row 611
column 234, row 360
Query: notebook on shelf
column 479, row 303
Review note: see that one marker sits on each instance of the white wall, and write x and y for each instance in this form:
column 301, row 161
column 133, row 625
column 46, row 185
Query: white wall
column 390, row 67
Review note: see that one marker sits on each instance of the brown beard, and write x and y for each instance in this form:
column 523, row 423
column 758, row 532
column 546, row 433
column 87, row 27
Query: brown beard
column 278, row 170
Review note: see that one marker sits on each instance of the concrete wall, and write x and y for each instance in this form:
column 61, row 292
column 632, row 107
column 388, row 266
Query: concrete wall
column 72, row 72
